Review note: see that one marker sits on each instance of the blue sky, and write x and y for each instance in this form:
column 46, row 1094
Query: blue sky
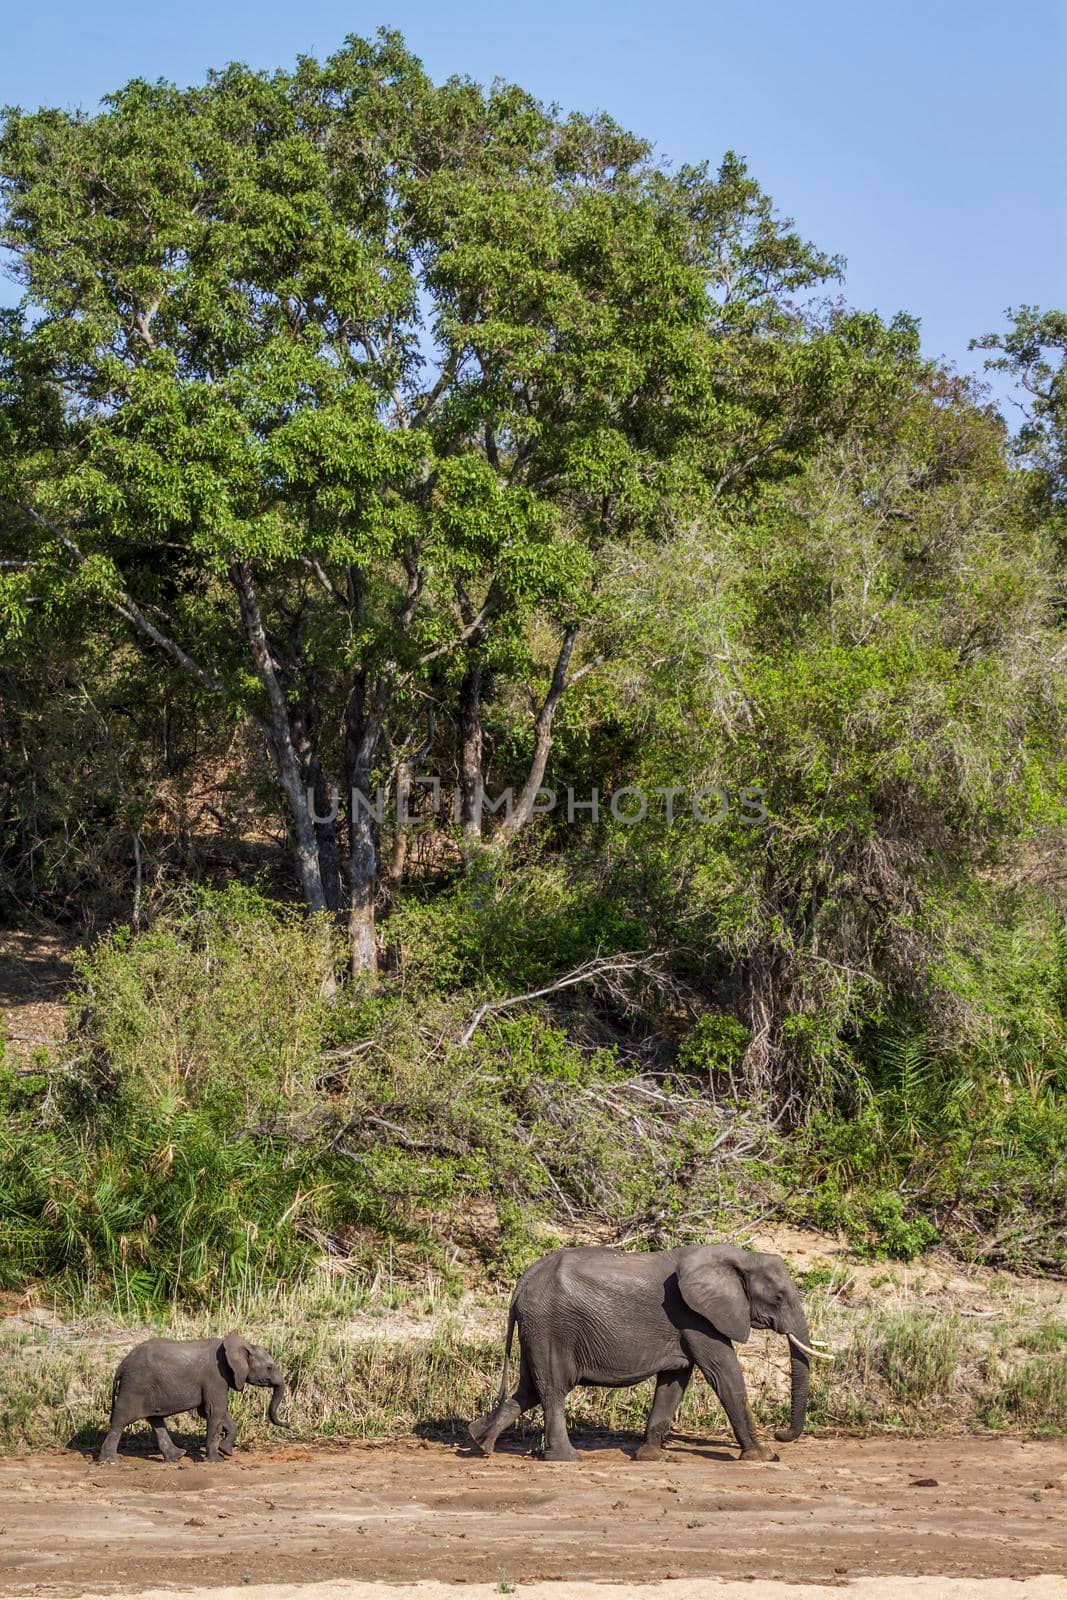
column 926, row 142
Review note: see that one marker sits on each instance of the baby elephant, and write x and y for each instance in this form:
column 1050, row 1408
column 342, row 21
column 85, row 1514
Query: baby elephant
column 163, row 1376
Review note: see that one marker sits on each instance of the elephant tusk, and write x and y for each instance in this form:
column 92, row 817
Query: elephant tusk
column 819, row 1355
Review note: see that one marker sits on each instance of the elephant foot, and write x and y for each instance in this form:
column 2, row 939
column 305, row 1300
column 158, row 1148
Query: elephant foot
column 174, row 1455
column 106, row 1461
column 649, row 1452
column 759, row 1452
column 478, row 1430
column 562, row 1453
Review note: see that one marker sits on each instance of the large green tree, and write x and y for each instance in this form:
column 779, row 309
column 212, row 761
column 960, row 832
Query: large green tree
column 876, row 643
column 349, row 378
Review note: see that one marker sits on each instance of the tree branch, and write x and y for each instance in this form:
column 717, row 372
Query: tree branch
column 323, row 578
column 601, row 966
column 128, row 608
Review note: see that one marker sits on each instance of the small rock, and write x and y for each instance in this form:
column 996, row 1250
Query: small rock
column 195, row 1522
column 924, row 1483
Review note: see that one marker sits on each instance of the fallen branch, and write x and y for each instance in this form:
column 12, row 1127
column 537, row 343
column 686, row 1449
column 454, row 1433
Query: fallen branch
column 588, row 972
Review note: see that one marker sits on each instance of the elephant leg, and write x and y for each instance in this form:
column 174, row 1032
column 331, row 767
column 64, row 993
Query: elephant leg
column 558, row 1446
column 719, row 1364
column 121, row 1417
column 216, row 1420
column 487, row 1430
column 228, row 1436
column 164, row 1443
column 109, row 1450
column 670, row 1387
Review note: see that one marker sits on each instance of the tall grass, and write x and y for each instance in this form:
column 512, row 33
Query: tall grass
column 916, row 1372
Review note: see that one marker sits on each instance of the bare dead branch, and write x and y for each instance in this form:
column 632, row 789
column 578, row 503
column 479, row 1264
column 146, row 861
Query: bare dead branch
column 588, row 972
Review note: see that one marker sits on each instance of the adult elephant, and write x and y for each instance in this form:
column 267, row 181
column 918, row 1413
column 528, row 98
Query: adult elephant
column 614, row 1318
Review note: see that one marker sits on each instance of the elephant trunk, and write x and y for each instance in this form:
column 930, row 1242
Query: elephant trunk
column 800, row 1374
column 277, row 1395
column 800, row 1382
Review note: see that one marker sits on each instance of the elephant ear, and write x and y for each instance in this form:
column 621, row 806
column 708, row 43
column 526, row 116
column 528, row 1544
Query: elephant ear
column 236, row 1352
column 716, row 1290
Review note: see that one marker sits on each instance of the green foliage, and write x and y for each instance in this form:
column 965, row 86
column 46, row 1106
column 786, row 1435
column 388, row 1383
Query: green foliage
column 368, row 368
column 349, row 418
column 502, row 929
column 220, row 1112
column 142, row 1004
column 1033, row 354
column 895, row 1235
column 987, row 1177
column 715, row 1044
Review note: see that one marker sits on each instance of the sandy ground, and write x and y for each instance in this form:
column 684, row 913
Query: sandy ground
column 1049, row 1588
column 831, row 1513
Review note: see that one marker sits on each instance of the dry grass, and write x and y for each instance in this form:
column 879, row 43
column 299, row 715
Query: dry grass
column 915, row 1371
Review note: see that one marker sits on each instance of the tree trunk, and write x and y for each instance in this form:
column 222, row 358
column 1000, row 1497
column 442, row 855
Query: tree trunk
column 398, row 850
column 523, row 809
column 326, row 838
column 362, row 878
column 470, row 769
column 280, row 742
column 363, row 728
column 302, row 724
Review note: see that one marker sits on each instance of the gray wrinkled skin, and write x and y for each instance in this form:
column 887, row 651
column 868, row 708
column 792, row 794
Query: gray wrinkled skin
column 165, row 1376
column 615, row 1317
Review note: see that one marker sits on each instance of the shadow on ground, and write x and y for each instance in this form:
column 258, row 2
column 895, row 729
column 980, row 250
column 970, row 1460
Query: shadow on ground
column 527, row 1441
column 136, row 1442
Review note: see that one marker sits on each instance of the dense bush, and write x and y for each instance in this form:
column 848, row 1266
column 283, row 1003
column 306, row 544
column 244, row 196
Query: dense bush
column 221, row 1112
column 224, row 1115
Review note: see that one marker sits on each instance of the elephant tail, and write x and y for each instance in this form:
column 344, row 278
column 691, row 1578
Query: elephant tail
column 512, row 1318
